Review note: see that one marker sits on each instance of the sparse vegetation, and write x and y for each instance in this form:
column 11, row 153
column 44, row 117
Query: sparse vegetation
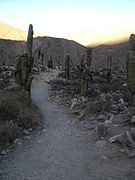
column 16, row 113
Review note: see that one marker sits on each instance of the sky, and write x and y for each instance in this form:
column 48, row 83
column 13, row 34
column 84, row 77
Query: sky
column 85, row 21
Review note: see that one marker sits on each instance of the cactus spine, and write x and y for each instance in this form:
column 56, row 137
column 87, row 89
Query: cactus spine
column 131, row 68
column 67, row 64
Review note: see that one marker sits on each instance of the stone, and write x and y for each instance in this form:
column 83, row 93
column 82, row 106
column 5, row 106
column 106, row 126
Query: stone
column 18, row 141
column 104, row 158
column 119, row 118
column 26, row 132
column 132, row 121
column 27, row 137
column 131, row 154
column 121, row 101
column 3, row 153
column 101, row 118
column 108, row 114
column 30, row 129
column 40, row 140
column 122, row 150
column 73, row 103
column 100, row 144
column 124, row 138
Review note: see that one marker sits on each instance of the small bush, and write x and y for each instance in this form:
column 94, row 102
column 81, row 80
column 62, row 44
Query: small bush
column 16, row 112
column 8, row 132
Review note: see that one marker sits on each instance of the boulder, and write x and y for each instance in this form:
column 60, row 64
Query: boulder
column 124, row 138
column 119, row 118
column 102, row 118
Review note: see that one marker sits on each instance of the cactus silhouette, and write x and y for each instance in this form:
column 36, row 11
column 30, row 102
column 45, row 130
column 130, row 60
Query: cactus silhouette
column 67, row 58
column 50, row 63
column 30, row 41
column 131, row 67
column 24, row 64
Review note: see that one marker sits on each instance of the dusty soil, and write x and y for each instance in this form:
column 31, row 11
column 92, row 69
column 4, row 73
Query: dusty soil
column 63, row 149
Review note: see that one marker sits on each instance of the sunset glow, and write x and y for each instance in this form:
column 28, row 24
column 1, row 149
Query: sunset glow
column 87, row 21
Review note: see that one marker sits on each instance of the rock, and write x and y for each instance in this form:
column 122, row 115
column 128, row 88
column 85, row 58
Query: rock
column 122, row 150
column 121, row 101
column 13, row 87
column 18, row 141
column 108, row 114
column 119, row 118
column 3, row 153
column 100, row 144
column 107, row 122
column 104, row 158
column 76, row 112
column 101, row 118
column 132, row 120
column 125, row 85
column 131, row 154
column 27, row 137
column 30, row 129
column 73, row 103
column 69, row 134
column 40, row 140
column 124, row 138
column 102, row 97
column 26, row 132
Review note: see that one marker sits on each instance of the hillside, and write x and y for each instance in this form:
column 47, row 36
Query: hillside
column 117, row 51
column 12, row 33
column 56, row 47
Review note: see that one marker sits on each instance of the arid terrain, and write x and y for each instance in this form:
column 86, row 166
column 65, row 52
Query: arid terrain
column 54, row 130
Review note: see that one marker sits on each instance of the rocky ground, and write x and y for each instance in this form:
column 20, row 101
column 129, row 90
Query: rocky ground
column 106, row 112
column 73, row 143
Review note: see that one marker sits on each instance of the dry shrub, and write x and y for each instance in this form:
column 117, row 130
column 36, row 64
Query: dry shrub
column 8, row 132
column 16, row 112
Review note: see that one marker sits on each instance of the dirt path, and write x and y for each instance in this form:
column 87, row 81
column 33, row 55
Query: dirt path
column 62, row 151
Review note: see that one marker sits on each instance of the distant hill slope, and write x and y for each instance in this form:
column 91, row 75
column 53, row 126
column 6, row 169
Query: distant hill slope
column 56, row 47
column 12, row 33
column 118, row 52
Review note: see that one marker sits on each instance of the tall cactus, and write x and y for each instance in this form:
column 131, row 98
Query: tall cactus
column 109, row 62
column 89, row 57
column 24, row 64
column 30, row 41
column 84, row 71
column 109, row 69
column 50, row 62
column 67, row 64
column 131, row 68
